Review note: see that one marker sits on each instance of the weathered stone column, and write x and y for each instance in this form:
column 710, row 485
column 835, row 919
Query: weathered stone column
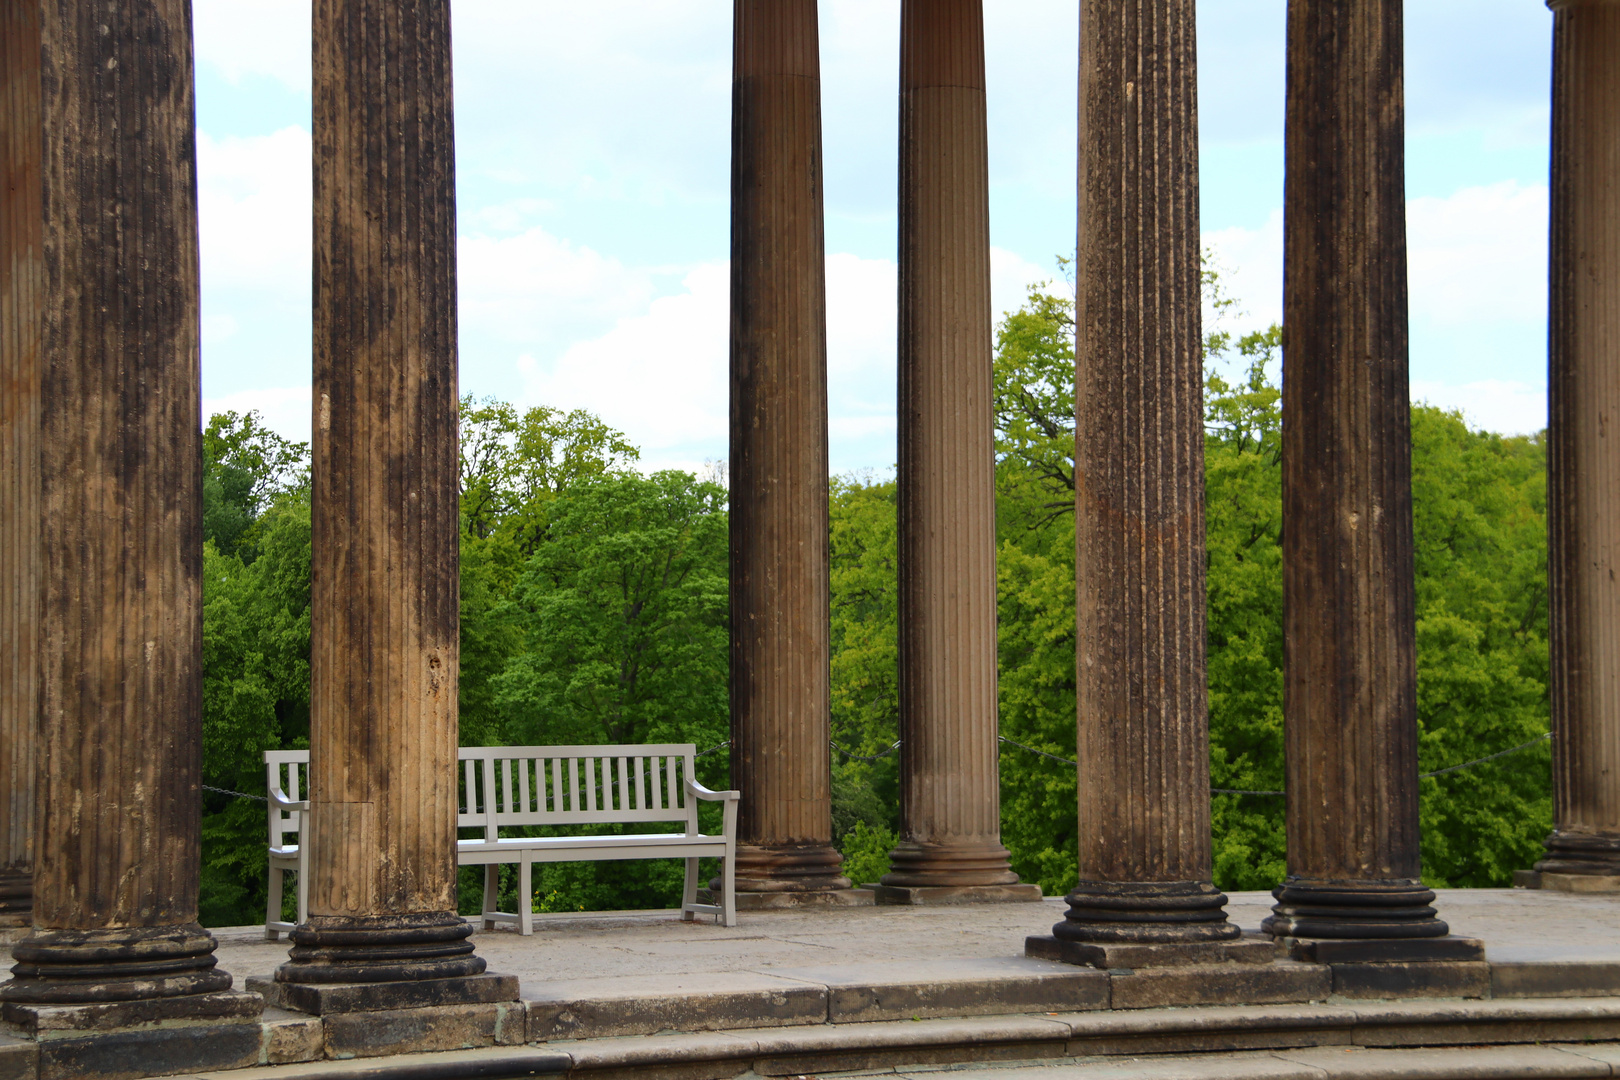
column 384, row 591
column 1350, row 684
column 1143, row 748
column 950, row 788
column 1583, row 490
column 780, row 660
column 120, row 510
column 22, row 271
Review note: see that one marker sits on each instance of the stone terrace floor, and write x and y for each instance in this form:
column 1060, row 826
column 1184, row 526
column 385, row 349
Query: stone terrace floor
column 654, row 951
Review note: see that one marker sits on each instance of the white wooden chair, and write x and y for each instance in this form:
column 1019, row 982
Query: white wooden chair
column 284, row 771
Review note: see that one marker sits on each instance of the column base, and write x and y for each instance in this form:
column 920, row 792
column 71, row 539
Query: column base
column 1581, row 854
column 1246, row 949
column 917, row 865
column 1152, row 912
column 66, row 967
column 788, row 868
column 1313, row 908
column 802, row 901
column 1570, row 883
column 941, row 895
column 380, row 949
column 324, row 999
column 1448, row 949
column 193, row 1034
column 16, row 901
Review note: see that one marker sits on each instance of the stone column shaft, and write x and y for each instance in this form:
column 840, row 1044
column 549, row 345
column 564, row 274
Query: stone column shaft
column 1143, row 747
column 1583, row 503
column 22, row 271
column 780, row 648
column 384, row 598
column 1350, row 684
column 120, row 558
column 950, row 787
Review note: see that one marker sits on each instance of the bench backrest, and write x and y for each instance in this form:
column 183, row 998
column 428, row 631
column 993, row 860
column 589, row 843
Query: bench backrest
column 285, row 769
column 504, row 786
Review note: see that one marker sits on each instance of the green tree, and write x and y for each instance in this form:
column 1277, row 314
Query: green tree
column 246, row 466
column 255, row 698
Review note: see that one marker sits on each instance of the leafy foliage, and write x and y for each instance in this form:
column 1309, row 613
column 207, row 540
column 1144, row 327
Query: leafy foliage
column 594, row 609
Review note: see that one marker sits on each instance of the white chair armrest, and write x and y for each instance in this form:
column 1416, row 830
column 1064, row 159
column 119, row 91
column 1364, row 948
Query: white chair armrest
column 279, row 798
column 696, row 789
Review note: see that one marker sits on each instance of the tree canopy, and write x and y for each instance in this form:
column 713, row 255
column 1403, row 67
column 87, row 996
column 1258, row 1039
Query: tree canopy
column 594, row 609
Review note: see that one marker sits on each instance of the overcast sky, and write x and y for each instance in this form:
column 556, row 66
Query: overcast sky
column 593, row 170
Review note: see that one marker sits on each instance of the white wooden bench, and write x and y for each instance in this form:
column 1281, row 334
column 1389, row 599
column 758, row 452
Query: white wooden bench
column 557, row 787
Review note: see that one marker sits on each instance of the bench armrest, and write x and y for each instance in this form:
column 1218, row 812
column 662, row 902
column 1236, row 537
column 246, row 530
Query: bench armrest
column 279, row 798
column 701, row 792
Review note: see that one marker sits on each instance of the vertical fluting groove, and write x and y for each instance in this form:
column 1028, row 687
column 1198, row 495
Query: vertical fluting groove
column 950, row 785
column 1349, row 622
column 385, row 589
column 21, row 299
column 1142, row 730
column 1583, row 503
column 119, row 501
column 780, row 648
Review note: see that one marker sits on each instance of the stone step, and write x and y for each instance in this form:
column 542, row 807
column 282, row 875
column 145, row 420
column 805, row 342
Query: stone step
column 1320, row 1040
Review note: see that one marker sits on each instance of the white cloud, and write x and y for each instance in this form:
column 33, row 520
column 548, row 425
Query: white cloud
column 254, row 207
column 535, row 288
column 1507, row 407
column 1479, row 255
column 1250, row 262
column 286, row 410
column 269, row 38
column 659, row 375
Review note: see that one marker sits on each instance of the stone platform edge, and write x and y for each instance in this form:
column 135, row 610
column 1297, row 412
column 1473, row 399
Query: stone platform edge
column 854, row 1017
column 1045, row 1038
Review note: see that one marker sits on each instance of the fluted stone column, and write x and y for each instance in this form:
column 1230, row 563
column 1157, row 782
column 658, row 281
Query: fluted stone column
column 22, row 269
column 1583, row 491
column 950, row 788
column 384, row 591
column 780, row 659
column 1143, row 747
column 120, row 514
column 1350, row 682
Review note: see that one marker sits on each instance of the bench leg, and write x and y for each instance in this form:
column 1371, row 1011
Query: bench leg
column 689, row 893
column 728, row 888
column 525, row 896
column 272, row 907
column 492, row 889
column 302, row 885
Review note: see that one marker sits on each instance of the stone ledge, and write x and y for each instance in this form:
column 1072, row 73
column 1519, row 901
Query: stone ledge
column 866, row 993
column 19, row 1058
column 420, row 1030
column 1047, row 1038
column 925, row 896
column 128, row 1055
column 798, row 901
column 585, row 1009
column 55, row 1021
column 1385, row 950
column 1463, row 979
column 1249, row 949
column 321, row 999
column 1284, row 981
column 1589, row 978
column 503, row 1063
